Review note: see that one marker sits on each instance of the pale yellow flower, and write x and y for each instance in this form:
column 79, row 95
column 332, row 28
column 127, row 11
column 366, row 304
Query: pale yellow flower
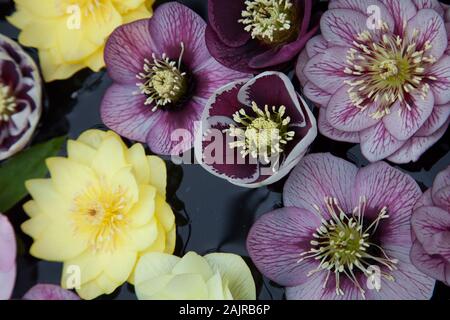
column 70, row 34
column 103, row 207
column 216, row 276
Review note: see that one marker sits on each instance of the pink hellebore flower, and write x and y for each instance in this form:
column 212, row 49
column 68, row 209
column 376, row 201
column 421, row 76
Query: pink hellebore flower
column 382, row 83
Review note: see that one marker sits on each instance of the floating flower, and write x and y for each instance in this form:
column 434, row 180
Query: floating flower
column 20, row 97
column 431, row 225
column 70, row 34
column 103, row 207
column 255, row 131
column 7, row 258
column 49, row 292
column 256, row 35
column 345, row 233
column 163, row 75
column 385, row 85
column 216, row 276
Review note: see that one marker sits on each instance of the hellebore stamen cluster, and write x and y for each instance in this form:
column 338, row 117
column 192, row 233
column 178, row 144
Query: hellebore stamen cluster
column 163, row 80
column 263, row 134
column 267, row 20
column 387, row 70
column 7, row 103
column 99, row 211
column 343, row 245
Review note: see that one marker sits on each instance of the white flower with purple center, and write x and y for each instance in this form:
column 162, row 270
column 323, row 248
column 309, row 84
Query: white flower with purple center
column 20, row 97
column 385, row 86
column 345, row 233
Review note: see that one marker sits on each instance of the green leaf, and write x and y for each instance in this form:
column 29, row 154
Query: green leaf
column 29, row 164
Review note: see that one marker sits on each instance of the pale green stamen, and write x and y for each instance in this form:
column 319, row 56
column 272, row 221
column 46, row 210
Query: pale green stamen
column 7, row 103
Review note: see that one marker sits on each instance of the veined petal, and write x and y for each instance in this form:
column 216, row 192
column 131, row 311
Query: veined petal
column 377, row 143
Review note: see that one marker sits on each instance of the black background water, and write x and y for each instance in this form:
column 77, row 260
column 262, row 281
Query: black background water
column 212, row 214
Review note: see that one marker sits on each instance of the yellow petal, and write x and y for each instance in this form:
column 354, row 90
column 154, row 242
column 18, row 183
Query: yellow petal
column 90, row 264
column 126, row 6
column 120, row 264
column 80, row 152
column 107, row 283
column 97, row 26
column 95, row 61
column 110, row 158
column 140, row 13
column 136, row 156
column 159, row 244
column 164, row 213
column 216, row 289
column 147, row 289
column 235, row 271
column 93, row 138
column 143, row 211
column 144, row 236
column 158, row 174
column 47, row 198
column 69, row 177
column 193, row 263
column 184, row 287
column 41, row 8
column 32, row 34
column 124, row 180
column 90, row 290
column 35, row 226
column 154, row 265
column 171, row 240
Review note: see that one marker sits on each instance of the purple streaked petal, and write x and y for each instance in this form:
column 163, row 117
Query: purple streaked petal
column 377, row 143
column 224, row 102
column 441, row 86
column 126, row 49
column 173, row 132
column 435, row 121
column 326, row 176
column 385, row 186
column 316, row 45
column 125, row 112
column 331, row 132
column 316, row 95
column 401, row 11
column 432, row 265
column 431, row 27
column 343, row 115
column 441, row 181
column 273, row 89
column 431, row 226
column 403, row 122
column 276, row 241
column 424, row 200
column 429, row 4
column 299, row 68
column 7, row 258
column 173, row 24
column 326, row 70
column 413, row 149
column 223, row 17
column 233, row 58
column 49, row 292
column 442, row 198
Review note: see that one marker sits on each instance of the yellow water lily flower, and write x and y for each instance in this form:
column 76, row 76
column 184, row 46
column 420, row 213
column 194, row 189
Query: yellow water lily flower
column 70, row 34
column 216, row 276
column 103, row 207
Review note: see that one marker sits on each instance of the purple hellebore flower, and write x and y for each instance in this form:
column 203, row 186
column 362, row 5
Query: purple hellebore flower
column 253, row 132
column 384, row 84
column 7, row 258
column 431, row 226
column 345, row 233
column 256, row 35
column 20, row 97
column 49, row 292
column 175, row 74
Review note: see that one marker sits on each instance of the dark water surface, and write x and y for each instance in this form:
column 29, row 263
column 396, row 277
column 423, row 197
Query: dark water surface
column 212, row 214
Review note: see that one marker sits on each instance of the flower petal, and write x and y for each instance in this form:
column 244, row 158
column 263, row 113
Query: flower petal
column 441, row 181
column 326, row 176
column 441, row 86
column 377, row 143
column 432, row 265
column 331, row 132
column 316, row 95
column 435, row 121
column 49, row 292
column 7, row 258
column 276, row 241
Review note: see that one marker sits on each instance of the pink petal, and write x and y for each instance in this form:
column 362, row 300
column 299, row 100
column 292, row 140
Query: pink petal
column 415, row 147
column 435, row 121
column 442, row 198
column 7, row 258
column 431, row 226
column 343, row 115
column 326, row 70
column 377, row 143
column 442, row 180
column 403, row 123
column 429, row 4
column 432, row 28
column 331, row 132
column 401, row 11
column 441, row 86
column 125, row 112
column 276, row 241
column 49, row 292
column 316, row 95
column 316, row 45
column 299, row 69
column 432, row 265
column 126, row 49
column 424, row 200
column 318, row 176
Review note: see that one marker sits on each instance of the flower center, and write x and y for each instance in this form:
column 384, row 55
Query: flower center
column 270, row 21
column 163, row 82
column 343, row 245
column 7, row 103
column 387, row 70
column 262, row 134
column 100, row 212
